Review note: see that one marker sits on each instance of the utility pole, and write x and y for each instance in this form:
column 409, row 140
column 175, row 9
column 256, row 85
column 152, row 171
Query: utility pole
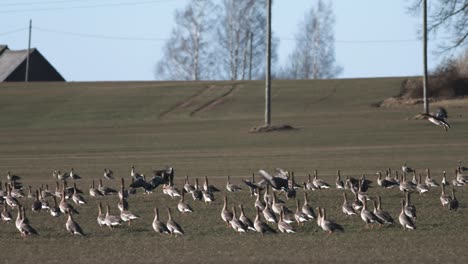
column 244, row 61
column 250, row 55
column 268, row 68
column 26, row 77
column 425, row 78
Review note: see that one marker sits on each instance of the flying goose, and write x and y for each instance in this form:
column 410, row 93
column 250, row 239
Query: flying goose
column 111, row 221
column 72, row 226
column 159, row 226
column 439, row 121
column 108, row 174
column 245, row 220
column 225, row 214
column 182, row 206
column 339, row 183
column 235, row 223
column 135, row 175
column 12, row 177
column 384, row 216
column 347, row 207
column 173, row 227
column 453, row 205
column 283, row 226
column 276, row 182
column 231, row 187
column 405, row 221
column 252, row 185
column 260, row 226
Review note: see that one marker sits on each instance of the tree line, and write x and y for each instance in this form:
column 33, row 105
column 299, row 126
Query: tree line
column 226, row 40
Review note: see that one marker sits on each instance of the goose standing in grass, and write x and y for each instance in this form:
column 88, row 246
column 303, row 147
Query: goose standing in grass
column 347, row 207
column 73, row 175
column 235, row 223
column 339, row 183
column 444, row 179
column 429, row 181
column 268, row 214
column 291, row 190
column 405, row 221
column 453, row 205
column 259, row 203
column 93, row 191
column 300, row 217
column 123, row 193
column 123, row 204
column 108, row 174
column 460, row 177
column 231, row 187
column 6, row 215
column 309, row 185
column 328, row 226
column 386, row 182
column 158, row 226
column 208, row 197
column 44, row 202
column 23, row 224
column 225, row 214
column 456, row 182
column 77, row 198
column 368, row 217
column 182, row 206
column 245, row 220
column 406, row 169
column 260, row 226
column 405, row 185
column 444, row 198
column 72, row 226
column 409, row 209
column 10, row 200
column 105, row 190
column 283, row 226
column 319, row 183
column 197, row 194
column 307, row 210
column 101, row 218
column 384, row 216
column 187, row 186
column 65, row 207
column 421, row 187
column 36, row 205
column 173, row 227
column 128, row 216
column 12, row 177
column 356, row 204
column 209, row 188
column 55, row 210
column 111, row 221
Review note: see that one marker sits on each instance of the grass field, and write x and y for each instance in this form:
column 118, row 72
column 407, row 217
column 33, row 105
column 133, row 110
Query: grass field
column 201, row 129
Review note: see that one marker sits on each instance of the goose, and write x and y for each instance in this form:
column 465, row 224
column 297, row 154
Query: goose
column 158, row 226
column 66, row 207
column 339, row 183
column 111, row 221
column 231, row 187
column 235, row 223
column 252, row 185
column 276, row 207
column 444, row 179
column 225, row 214
column 46, row 192
column 72, row 226
column 173, row 227
column 166, row 174
column 245, row 220
column 187, row 186
column 123, row 193
column 307, row 210
column 36, row 205
column 421, row 187
column 267, row 197
column 44, row 202
column 55, row 210
column 429, row 181
column 6, row 215
column 276, row 182
column 291, row 190
column 410, row 209
column 300, row 217
column 309, row 185
column 16, row 192
column 362, row 195
column 182, row 206
column 105, row 190
column 73, row 175
column 385, row 183
column 460, row 177
column 23, row 224
column 122, row 205
column 108, row 174
column 259, row 203
column 208, row 197
column 444, row 198
column 328, row 226
column 356, row 204
column 12, row 177
column 453, row 205
column 260, row 226
column 283, row 226
column 367, row 216
column 77, row 199
column 197, row 194
column 456, row 182
column 365, row 184
column 209, row 188
column 414, row 180
column 406, row 186
column 60, row 176
column 93, row 191
column 268, row 214
column 405, row 221
column 406, row 169
column 384, row 216
column 347, row 207
column 10, row 200
column 319, row 183
column 135, row 175
column 30, row 194
column 101, row 218
column 439, row 121
column 128, row 216
column 171, row 191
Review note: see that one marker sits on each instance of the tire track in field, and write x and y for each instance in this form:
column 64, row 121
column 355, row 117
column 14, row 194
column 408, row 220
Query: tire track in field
column 184, row 104
column 216, row 101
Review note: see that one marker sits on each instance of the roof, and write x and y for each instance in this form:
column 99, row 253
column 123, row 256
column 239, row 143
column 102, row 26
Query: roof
column 2, row 48
column 10, row 60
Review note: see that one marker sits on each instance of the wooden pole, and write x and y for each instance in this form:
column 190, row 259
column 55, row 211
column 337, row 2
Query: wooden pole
column 250, row 55
column 268, row 68
column 425, row 78
column 26, row 77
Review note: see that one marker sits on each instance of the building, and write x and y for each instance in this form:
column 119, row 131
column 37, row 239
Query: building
column 13, row 66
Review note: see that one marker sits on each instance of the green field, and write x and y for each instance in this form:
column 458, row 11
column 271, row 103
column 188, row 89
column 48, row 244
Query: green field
column 202, row 129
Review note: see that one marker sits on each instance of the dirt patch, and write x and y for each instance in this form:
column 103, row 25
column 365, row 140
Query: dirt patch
column 271, row 128
column 399, row 101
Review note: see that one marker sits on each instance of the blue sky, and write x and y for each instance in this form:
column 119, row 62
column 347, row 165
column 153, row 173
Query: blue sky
column 101, row 40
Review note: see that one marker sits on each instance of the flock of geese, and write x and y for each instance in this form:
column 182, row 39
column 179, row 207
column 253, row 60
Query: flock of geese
column 272, row 214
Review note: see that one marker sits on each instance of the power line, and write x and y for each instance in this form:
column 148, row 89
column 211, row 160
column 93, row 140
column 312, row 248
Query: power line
column 13, row 31
column 43, row 2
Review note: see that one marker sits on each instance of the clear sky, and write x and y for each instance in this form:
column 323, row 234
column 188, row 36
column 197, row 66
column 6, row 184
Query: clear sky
column 100, row 40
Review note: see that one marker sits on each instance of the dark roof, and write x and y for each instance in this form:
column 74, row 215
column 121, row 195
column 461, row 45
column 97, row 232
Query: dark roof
column 10, row 60
column 3, row 47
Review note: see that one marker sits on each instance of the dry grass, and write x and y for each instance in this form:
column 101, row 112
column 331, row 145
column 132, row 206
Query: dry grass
column 90, row 126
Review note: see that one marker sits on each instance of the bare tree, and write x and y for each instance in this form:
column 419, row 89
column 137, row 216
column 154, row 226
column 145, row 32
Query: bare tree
column 451, row 15
column 186, row 53
column 314, row 54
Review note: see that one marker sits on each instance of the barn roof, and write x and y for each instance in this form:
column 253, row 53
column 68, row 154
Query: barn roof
column 10, row 60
